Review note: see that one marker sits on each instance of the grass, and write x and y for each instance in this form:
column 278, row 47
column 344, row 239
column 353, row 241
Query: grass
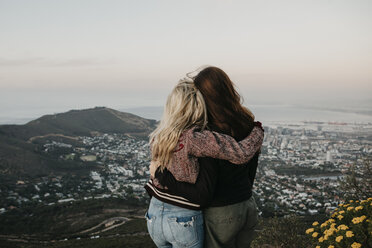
column 139, row 241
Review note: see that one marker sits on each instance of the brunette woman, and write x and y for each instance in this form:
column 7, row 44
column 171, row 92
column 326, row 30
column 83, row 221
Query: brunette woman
column 172, row 220
column 231, row 215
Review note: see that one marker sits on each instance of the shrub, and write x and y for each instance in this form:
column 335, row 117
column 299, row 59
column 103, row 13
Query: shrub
column 284, row 232
column 357, row 183
column 349, row 226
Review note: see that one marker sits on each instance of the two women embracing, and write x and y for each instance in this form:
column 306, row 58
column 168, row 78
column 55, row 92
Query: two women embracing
column 204, row 159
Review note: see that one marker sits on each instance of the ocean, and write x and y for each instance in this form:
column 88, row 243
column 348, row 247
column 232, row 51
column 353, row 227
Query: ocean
column 278, row 113
column 263, row 113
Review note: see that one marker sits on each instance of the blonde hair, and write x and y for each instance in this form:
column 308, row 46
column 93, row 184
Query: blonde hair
column 185, row 108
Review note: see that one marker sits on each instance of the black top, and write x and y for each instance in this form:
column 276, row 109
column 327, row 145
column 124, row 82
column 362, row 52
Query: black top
column 219, row 183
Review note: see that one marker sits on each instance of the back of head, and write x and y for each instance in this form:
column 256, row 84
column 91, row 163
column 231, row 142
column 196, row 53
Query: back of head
column 185, row 108
column 225, row 111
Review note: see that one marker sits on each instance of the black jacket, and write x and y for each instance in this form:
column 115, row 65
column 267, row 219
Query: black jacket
column 219, row 183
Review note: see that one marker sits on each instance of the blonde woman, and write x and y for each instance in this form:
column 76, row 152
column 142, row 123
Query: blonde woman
column 231, row 214
column 181, row 137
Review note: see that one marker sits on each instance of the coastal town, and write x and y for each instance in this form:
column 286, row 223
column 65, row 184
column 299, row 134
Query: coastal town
column 300, row 169
column 302, row 166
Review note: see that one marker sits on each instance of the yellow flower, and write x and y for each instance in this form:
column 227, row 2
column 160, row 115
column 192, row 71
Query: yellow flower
column 341, row 205
column 310, row 230
column 321, row 239
column 339, row 238
column 340, row 217
column 331, row 246
column 324, row 224
column 358, row 208
column 317, row 246
column 331, row 220
column 350, row 208
column 351, row 201
column 328, row 232
column 358, row 220
column 342, row 227
column 315, row 235
column 356, row 245
column 315, row 223
column 341, row 212
column 349, row 234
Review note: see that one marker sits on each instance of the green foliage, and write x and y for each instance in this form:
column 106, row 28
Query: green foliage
column 47, row 226
column 62, row 220
column 349, row 226
column 135, row 241
column 285, row 232
column 358, row 183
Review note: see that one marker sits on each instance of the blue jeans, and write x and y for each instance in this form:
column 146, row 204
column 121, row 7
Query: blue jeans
column 172, row 226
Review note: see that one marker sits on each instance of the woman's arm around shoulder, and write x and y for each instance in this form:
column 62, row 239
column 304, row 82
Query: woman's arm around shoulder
column 221, row 146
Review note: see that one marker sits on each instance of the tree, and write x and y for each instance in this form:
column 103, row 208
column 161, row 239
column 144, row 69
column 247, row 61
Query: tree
column 357, row 184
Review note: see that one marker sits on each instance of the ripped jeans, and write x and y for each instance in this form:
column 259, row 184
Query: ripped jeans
column 172, row 226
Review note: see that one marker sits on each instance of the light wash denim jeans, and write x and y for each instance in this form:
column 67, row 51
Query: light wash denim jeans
column 172, row 226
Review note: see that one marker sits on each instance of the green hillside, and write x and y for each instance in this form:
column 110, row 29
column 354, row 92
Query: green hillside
column 82, row 123
column 20, row 145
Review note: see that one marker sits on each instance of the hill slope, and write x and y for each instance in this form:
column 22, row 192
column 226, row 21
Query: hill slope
column 82, row 123
column 20, row 154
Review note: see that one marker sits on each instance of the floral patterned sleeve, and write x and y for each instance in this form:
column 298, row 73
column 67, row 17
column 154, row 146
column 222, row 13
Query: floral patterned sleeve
column 222, row 146
column 194, row 144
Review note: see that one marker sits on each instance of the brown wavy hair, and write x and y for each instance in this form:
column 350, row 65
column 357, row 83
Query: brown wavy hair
column 226, row 114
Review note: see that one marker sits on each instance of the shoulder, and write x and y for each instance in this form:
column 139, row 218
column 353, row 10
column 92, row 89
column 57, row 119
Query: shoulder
column 192, row 132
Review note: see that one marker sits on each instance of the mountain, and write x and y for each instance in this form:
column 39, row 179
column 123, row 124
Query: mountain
column 20, row 148
column 82, row 123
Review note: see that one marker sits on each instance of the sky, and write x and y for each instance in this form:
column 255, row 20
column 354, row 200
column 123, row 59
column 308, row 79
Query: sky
column 60, row 55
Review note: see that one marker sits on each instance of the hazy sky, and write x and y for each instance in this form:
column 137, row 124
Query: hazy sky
column 56, row 55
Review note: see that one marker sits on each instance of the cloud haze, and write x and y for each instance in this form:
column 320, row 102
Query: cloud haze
column 131, row 53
